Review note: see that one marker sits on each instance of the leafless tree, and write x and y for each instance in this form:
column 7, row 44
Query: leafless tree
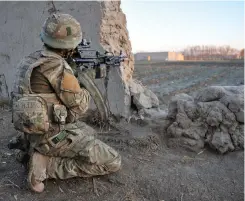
column 210, row 52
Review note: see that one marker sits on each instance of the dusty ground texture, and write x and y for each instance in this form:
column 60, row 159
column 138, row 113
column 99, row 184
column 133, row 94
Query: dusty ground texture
column 150, row 170
column 168, row 79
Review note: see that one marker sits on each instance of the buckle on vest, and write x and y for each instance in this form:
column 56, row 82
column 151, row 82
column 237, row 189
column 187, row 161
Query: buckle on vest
column 54, row 140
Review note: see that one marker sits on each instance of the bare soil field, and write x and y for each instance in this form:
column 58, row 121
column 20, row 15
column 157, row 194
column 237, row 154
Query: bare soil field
column 150, row 170
column 166, row 79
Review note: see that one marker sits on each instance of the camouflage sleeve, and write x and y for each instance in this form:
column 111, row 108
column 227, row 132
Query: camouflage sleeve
column 67, row 88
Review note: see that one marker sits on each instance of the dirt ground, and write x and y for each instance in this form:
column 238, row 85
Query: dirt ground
column 168, row 79
column 150, row 170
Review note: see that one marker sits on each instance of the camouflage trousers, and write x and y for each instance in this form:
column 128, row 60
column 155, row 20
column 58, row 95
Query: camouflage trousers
column 79, row 154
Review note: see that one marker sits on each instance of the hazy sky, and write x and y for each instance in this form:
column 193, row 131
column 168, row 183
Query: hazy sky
column 172, row 25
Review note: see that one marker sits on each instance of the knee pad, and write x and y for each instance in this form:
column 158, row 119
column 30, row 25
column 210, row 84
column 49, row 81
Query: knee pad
column 114, row 165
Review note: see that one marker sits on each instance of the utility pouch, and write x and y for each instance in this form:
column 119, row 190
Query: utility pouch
column 30, row 115
column 59, row 114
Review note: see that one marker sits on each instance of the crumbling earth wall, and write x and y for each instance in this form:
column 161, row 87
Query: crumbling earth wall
column 103, row 23
column 214, row 116
column 4, row 95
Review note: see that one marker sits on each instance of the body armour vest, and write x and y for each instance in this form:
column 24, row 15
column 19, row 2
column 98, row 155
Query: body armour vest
column 32, row 112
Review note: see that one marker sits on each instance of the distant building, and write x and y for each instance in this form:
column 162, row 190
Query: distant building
column 158, row 56
column 153, row 56
column 175, row 56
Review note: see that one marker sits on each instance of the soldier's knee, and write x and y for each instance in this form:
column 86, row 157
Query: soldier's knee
column 114, row 165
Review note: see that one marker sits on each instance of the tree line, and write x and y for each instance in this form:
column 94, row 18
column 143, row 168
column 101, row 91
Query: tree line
column 211, row 52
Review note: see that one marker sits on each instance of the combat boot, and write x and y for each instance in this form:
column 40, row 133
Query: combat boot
column 38, row 167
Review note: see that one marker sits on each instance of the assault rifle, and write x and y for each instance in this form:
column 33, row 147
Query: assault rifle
column 86, row 58
column 90, row 64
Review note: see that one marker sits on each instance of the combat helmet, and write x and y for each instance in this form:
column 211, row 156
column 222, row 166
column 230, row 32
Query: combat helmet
column 61, row 31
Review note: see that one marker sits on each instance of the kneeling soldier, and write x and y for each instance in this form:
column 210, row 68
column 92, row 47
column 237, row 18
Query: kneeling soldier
column 47, row 102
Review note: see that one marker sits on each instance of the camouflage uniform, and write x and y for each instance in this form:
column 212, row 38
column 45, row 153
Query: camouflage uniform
column 53, row 101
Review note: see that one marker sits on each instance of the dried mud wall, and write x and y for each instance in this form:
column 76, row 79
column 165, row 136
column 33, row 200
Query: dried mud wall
column 103, row 23
column 114, row 34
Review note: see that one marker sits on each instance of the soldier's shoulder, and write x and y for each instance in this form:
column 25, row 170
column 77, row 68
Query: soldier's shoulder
column 34, row 55
column 30, row 58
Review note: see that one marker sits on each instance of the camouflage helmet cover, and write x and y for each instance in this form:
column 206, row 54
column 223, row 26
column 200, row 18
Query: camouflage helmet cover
column 61, row 31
